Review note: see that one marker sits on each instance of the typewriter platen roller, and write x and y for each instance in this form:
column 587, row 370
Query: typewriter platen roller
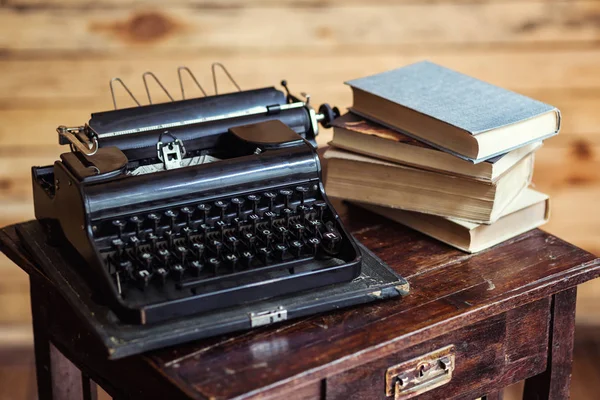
column 184, row 207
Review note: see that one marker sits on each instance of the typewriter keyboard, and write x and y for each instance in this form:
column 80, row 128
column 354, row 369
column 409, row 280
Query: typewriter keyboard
column 184, row 249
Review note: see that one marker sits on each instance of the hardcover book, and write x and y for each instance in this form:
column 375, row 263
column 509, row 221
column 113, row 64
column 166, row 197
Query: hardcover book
column 355, row 177
column 529, row 210
column 354, row 133
column 454, row 112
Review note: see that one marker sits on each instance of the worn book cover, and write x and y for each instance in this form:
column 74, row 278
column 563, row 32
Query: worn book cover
column 529, row 210
column 453, row 112
column 356, row 134
column 355, row 177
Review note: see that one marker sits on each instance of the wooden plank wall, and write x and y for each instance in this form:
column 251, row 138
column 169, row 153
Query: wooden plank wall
column 57, row 56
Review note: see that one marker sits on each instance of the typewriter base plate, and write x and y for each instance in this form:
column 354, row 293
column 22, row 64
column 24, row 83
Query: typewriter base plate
column 376, row 282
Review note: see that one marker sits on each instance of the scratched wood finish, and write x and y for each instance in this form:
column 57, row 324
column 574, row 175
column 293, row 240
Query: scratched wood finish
column 560, row 358
column 489, row 354
column 312, row 29
column 24, row 4
column 450, row 291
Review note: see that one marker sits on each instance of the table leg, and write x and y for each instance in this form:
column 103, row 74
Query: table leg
column 90, row 389
column 555, row 382
column 41, row 344
column 57, row 377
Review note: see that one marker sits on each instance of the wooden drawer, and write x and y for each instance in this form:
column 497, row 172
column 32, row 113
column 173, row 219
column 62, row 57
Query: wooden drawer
column 488, row 355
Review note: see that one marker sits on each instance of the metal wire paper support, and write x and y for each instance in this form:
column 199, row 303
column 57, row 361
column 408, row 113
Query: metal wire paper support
column 186, row 69
column 214, row 75
column 151, row 74
column 112, row 92
column 180, row 70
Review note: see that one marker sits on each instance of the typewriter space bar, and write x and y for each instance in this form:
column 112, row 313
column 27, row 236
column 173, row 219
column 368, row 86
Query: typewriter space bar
column 191, row 284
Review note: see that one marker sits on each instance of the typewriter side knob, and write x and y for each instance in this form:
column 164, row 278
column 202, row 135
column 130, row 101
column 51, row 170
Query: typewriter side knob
column 327, row 114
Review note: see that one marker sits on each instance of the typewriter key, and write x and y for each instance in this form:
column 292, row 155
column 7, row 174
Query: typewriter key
column 164, row 256
column 287, row 194
column 270, row 216
column 331, row 240
column 287, row 213
column 304, row 211
column 315, row 225
column 177, row 270
column 155, row 218
column 205, row 210
column 137, row 221
column 120, row 224
column 143, row 277
column 264, row 253
column 283, row 232
column 247, row 256
column 237, row 224
column 266, row 235
column 181, row 252
column 118, row 246
column 314, row 242
column 232, row 260
column 135, row 242
column 214, row 264
column 239, row 203
column 198, row 249
column 126, row 268
column 302, row 190
column 170, row 236
column 281, row 250
column 146, row 260
column 204, row 229
column 153, row 239
column 222, row 206
column 188, row 211
column 196, row 267
column 216, row 247
column 233, row 243
column 298, row 230
column 270, row 196
column 187, row 233
column 249, row 239
column 172, row 216
column 320, row 206
column 221, row 225
column 162, row 274
column 254, row 219
column 297, row 247
column 254, row 199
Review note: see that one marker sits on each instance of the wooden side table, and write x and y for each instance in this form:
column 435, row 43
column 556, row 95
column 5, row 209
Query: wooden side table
column 471, row 325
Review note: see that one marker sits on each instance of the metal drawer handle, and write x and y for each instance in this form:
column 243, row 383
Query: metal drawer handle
column 419, row 375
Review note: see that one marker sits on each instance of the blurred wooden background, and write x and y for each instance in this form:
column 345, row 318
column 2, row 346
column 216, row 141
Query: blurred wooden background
column 57, row 56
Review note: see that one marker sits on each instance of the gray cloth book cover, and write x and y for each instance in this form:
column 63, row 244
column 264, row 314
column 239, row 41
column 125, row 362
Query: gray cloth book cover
column 452, row 97
column 457, row 99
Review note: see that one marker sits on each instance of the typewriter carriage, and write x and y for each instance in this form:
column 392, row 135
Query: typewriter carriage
column 137, row 128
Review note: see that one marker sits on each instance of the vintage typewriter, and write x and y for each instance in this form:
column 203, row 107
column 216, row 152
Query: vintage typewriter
column 193, row 205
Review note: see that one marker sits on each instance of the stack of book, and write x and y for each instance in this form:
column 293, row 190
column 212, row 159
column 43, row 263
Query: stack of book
column 443, row 153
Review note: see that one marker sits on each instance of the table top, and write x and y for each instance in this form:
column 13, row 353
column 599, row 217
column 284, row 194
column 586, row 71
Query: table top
column 449, row 290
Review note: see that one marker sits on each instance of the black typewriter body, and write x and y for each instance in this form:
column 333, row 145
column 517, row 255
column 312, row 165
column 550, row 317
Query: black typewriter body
column 246, row 219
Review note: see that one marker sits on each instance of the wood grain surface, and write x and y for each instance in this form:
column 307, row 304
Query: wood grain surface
column 449, row 290
column 495, row 304
column 57, row 56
